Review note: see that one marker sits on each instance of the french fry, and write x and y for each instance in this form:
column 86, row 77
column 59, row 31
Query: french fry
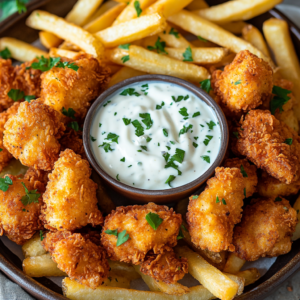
column 200, row 55
column 296, row 206
column 240, row 281
column 167, row 7
column 132, row 30
column 123, row 74
column 82, row 10
column 33, row 247
column 151, row 62
column 197, row 4
column 214, row 33
column 250, row 275
column 123, row 269
column 159, row 286
column 234, row 27
column 211, row 278
column 233, row 264
column 201, row 43
column 14, row 168
column 20, row 50
column 105, row 20
column 43, row 20
column 252, row 35
column 49, row 40
column 225, row 61
column 54, row 52
column 75, row 291
column 236, row 10
column 149, row 41
column 278, row 37
column 40, row 266
column 130, row 12
column 69, row 46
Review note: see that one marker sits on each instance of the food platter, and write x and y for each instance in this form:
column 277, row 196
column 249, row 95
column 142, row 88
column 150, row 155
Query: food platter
column 43, row 288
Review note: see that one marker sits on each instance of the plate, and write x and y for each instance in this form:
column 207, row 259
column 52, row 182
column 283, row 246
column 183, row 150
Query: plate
column 45, row 289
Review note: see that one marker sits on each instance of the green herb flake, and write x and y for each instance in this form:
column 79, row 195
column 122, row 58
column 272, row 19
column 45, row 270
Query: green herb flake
column 217, row 200
column 201, row 39
column 74, row 125
column 106, row 147
column 170, row 179
column 173, row 143
column 112, row 137
column 130, row 92
column 10, row 7
column 1, row 149
column 139, row 129
column 146, row 120
column 180, row 98
column 174, row 32
column 15, row 94
column 144, row 148
column 126, row 121
column 5, row 183
column 195, row 197
column 45, row 64
column 244, row 173
column 117, row 177
column 183, row 112
column 28, row 98
column 288, row 141
column 179, row 155
column 106, row 103
column 180, row 235
column 124, row 46
column 206, row 85
column 196, row 114
column 154, row 220
column 41, row 235
column 236, row 134
column 129, row 166
column 206, row 158
column 148, row 139
column 195, row 145
column 70, row 113
column 137, row 8
column 238, row 82
column 93, row 139
column 166, row 156
column 207, row 140
column 5, row 53
column 30, row 197
column 169, row 148
column 187, row 55
column 115, row 113
column 278, row 199
column 159, row 47
column 112, row 232
column 125, row 58
column 185, row 129
column 165, row 132
column 67, row 64
column 211, row 125
column 281, row 97
column 160, row 106
column 122, row 236
column 122, row 159
column 224, row 202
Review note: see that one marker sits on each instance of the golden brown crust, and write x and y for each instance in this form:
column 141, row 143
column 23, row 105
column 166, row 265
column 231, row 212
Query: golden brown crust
column 143, row 237
column 244, row 84
column 265, row 230
column 19, row 222
column 165, row 267
column 70, row 197
column 38, row 178
column 81, row 259
column 262, row 140
column 210, row 220
column 32, row 135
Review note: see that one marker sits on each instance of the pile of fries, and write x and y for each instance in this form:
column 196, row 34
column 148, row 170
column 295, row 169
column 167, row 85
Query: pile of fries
column 181, row 38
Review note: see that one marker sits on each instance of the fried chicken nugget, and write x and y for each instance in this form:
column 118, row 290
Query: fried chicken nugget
column 212, row 215
column 19, row 213
column 264, row 140
column 266, row 229
column 244, row 84
column 32, row 135
column 70, row 197
column 67, row 88
column 165, row 267
column 77, row 256
column 142, row 237
column 37, row 177
column 248, row 171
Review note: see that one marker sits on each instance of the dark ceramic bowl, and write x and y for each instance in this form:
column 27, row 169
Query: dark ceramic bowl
column 157, row 196
column 45, row 289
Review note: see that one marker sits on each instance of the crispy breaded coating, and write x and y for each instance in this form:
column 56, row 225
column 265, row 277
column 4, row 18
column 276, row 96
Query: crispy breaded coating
column 39, row 177
column 70, row 197
column 265, row 230
column 270, row 187
column 142, row 237
column 165, row 267
column 19, row 219
column 212, row 215
column 6, row 82
column 32, row 135
column 5, row 156
column 81, row 259
column 244, row 84
column 248, row 171
column 263, row 140
column 65, row 87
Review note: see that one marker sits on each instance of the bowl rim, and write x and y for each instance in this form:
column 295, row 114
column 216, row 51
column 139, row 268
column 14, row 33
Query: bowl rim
column 198, row 92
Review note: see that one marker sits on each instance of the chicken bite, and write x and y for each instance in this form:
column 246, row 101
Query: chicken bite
column 38, row 177
column 67, row 88
column 70, row 197
column 269, row 144
column 248, row 171
column 244, row 84
column 32, row 135
column 165, row 267
column 77, row 256
column 212, row 215
column 139, row 236
column 265, row 230
column 20, row 209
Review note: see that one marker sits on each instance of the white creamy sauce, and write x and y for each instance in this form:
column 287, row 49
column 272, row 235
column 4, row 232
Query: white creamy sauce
column 140, row 161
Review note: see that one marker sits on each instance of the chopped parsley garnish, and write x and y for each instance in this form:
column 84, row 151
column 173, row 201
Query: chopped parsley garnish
column 122, row 159
column 217, row 200
column 174, row 32
column 69, row 113
column 195, row 197
column 28, row 98
column 30, row 197
column 16, row 95
column 238, row 82
column 154, row 220
column 44, row 64
column 160, row 106
column 169, row 148
column 159, row 47
column 166, row 156
column 187, row 55
column 171, row 164
column 115, row 113
column 10, row 7
column 117, row 177
column 206, row 158
column 122, row 238
column 74, row 125
column 183, row 112
column 244, row 173
column 207, row 140
column 113, row 137
column 68, row 65
column 146, row 120
column 148, row 139
column 170, row 179
column 165, row 132
column 130, row 92
column 196, row 138
column 145, row 89
column 144, row 148
column 236, row 134
column 124, row 46
column 201, row 39
column 137, row 8
column 201, row 125
column 126, row 121
column 185, row 129
column 5, row 53
column 179, row 155
column 112, row 232
column 139, row 163
column 93, row 139
column 139, row 128
column 195, row 145
column 41, row 235
column 1, row 149
column 180, row 234
column 179, row 98
column 278, row 199
column 281, row 97
column 130, row 166
column 196, row 114
column 5, row 183
column 106, row 103
column 211, row 125
column 125, row 58
column 139, row 150
column 288, row 141
column 173, row 143
column 206, row 85
column 224, row 202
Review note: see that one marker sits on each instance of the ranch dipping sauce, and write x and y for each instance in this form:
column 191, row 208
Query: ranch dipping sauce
column 155, row 136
